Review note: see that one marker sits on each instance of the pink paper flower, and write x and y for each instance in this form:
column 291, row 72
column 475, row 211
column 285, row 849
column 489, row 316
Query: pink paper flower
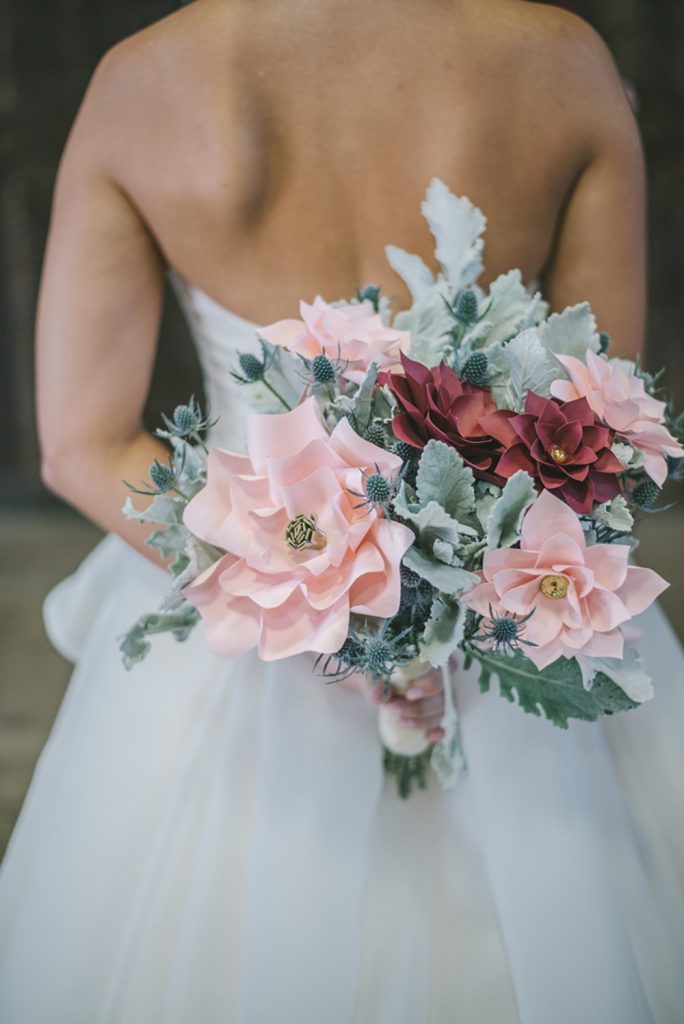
column 299, row 557
column 620, row 400
column 580, row 595
column 354, row 331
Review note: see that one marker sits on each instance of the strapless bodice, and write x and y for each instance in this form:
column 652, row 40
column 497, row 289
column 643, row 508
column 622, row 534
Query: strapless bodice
column 219, row 336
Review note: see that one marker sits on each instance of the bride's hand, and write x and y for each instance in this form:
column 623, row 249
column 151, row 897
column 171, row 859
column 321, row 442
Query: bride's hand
column 420, row 706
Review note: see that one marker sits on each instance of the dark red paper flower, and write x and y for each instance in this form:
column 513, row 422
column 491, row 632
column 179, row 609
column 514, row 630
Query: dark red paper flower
column 563, row 446
column 436, row 404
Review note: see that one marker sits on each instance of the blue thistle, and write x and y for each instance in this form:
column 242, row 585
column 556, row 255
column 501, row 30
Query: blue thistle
column 646, row 494
column 187, row 422
column 163, row 477
column 251, row 366
column 476, row 370
column 370, row 292
column 465, row 307
column 410, row 579
column 378, row 490
column 505, row 631
column 322, row 370
column 375, row 434
column 406, row 452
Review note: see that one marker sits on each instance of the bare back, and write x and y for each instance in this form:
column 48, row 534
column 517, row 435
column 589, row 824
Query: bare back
column 284, row 144
column 269, row 152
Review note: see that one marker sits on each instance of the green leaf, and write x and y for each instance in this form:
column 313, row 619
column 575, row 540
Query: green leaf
column 615, row 514
column 443, row 631
column 135, row 645
column 163, row 509
column 361, row 404
column 530, row 366
column 411, row 269
column 457, row 226
column 449, row 579
column 505, row 519
column 508, row 309
column 431, row 520
column 444, row 477
column 430, row 324
column 571, row 332
column 625, row 672
column 557, row 690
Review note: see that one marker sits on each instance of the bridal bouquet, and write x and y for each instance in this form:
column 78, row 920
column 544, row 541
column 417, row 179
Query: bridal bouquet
column 463, row 476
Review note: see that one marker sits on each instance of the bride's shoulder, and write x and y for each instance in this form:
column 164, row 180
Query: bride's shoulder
column 558, row 40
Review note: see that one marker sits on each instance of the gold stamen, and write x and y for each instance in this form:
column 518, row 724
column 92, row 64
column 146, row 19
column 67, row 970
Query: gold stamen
column 560, row 455
column 555, row 587
column 302, row 533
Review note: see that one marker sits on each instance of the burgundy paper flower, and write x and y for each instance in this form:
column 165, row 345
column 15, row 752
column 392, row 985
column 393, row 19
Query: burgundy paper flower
column 563, row 446
column 436, row 404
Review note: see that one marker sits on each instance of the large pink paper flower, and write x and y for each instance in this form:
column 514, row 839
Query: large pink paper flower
column 620, row 400
column 580, row 595
column 353, row 331
column 299, row 557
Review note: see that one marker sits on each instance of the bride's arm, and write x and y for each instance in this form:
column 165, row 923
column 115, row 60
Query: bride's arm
column 98, row 317
column 600, row 250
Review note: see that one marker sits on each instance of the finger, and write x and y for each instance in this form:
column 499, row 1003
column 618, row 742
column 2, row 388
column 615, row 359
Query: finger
column 424, row 724
column 382, row 692
column 426, row 686
column 419, row 709
column 435, row 735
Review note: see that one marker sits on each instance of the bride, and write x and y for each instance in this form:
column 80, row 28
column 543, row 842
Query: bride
column 214, row 841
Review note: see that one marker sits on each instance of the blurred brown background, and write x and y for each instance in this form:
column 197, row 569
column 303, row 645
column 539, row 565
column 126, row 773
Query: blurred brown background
column 48, row 50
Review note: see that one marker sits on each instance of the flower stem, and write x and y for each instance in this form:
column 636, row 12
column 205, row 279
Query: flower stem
column 274, row 392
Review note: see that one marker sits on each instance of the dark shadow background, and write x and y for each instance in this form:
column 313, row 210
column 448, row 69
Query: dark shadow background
column 48, row 50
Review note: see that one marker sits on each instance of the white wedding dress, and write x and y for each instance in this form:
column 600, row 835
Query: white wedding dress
column 211, row 841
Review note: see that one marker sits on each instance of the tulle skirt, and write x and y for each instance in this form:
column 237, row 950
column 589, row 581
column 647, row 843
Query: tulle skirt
column 215, row 841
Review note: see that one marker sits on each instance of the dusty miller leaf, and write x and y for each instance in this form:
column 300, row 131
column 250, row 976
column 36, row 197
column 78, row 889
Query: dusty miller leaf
column 457, row 226
column 557, row 690
column 530, row 366
column 571, row 332
column 444, row 477
column 625, row 672
column 135, row 645
column 430, row 324
column 164, row 508
column 505, row 519
column 443, row 631
column 615, row 514
column 449, row 579
column 411, row 269
column 507, row 309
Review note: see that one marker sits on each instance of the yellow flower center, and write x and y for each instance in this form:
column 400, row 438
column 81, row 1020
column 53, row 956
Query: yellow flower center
column 560, row 455
column 555, row 587
column 301, row 532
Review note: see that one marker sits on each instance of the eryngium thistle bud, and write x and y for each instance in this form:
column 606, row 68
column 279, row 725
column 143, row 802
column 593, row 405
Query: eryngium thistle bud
column 163, row 477
column 476, row 370
column 372, row 293
column 465, row 306
column 646, row 494
column 322, row 369
column 378, row 653
column 252, row 367
column 375, row 433
column 186, row 419
column 410, row 579
column 378, row 489
column 406, row 452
